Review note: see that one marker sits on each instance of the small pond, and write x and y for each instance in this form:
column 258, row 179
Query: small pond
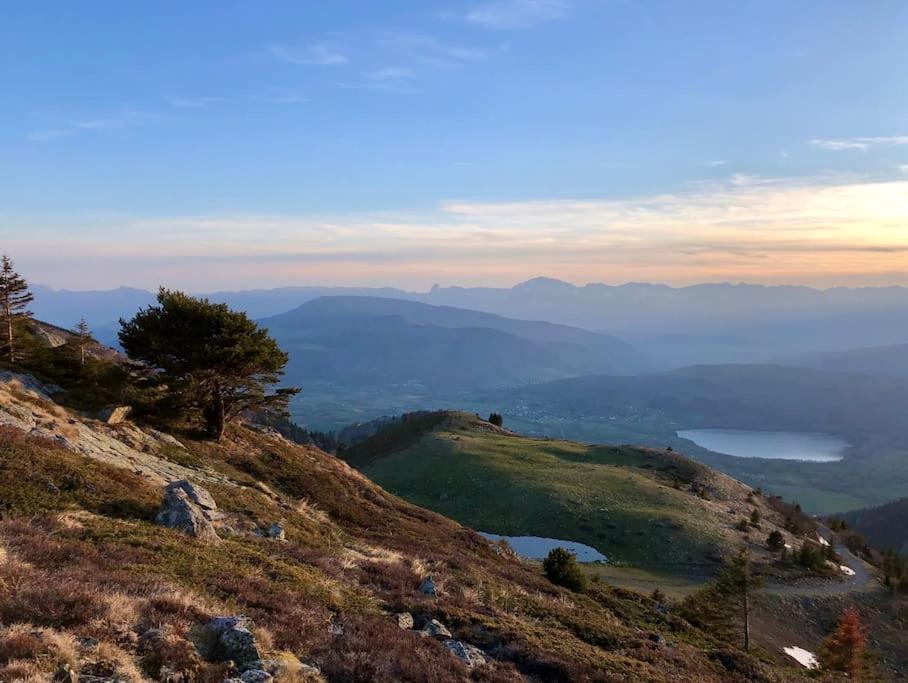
column 536, row 547
column 743, row 443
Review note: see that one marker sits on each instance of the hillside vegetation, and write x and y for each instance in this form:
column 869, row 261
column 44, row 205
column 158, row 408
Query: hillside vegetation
column 89, row 583
column 640, row 507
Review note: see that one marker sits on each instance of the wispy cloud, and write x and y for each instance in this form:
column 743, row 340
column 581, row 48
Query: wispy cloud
column 715, row 163
column 194, row 102
column 278, row 96
column 817, row 230
column 319, row 54
column 859, row 143
column 516, row 14
column 431, row 50
column 390, row 78
column 126, row 117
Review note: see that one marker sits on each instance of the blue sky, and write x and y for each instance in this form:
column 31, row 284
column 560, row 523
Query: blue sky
column 212, row 144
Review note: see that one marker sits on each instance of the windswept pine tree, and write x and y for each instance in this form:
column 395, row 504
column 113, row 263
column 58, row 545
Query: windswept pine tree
column 214, row 361
column 14, row 300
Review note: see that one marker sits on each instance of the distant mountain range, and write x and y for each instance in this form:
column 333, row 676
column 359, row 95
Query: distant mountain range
column 369, row 341
column 710, row 323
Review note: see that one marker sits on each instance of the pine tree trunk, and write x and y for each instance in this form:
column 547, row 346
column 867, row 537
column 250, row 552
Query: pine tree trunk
column 9, row 332
column 215, row 416
column 746, row 621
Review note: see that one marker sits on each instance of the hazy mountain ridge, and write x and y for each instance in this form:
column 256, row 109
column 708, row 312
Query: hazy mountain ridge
column 369, row 340
column 680, row 326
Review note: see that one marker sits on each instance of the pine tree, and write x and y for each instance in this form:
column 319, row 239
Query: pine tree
column 844, row 650
column 14, row 300
column 215, row 362
column 83, row 338
column 723, row 606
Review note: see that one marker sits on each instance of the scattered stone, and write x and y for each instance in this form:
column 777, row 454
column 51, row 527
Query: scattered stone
column 283, row 666
column 178, row 511
column 196, row 493
column 235, row 638
column 114, row 415
column 256, row 676
column 276, row 531
column 470, row 655
column 404, row 620
column 428, row 587
column 88, row 643
column 335, row 629
column 168, row 675
column 435, row 629
column 65, row 674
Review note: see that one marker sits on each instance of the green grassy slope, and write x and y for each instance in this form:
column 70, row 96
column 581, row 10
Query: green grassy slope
column 637, row 506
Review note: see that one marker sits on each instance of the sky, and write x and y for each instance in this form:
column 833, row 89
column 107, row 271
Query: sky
column 212, row 145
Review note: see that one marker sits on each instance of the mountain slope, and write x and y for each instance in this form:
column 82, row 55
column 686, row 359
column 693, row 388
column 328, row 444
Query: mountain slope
column 885, row 526
column 89, row 581
column 639, row 507
column 368, row 341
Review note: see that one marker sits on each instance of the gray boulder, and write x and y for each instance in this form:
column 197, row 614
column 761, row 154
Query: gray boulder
column 470, row 655
column 235, row 639
column 196, row 493
column 435, row 629
column 428, row 587
column 404, row 620
column 276, row 531
column 178, row 511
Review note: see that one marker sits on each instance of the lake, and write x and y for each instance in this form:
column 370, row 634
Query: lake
column 743, row 443
column 537, row 547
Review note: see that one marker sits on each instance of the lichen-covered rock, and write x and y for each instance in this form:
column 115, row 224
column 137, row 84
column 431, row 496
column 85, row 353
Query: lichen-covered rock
column 178, row 511
column 470, row 655
column 404, row 620
column 235, row 639
column 196, row 493
column 435, row 629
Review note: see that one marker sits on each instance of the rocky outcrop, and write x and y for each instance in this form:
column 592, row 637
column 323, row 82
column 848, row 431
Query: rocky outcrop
column 114, row 415
column 435, row 629
column 26, row 405
column 470, row 655
column 179, row 511
column 196, row 493
column 235, row 640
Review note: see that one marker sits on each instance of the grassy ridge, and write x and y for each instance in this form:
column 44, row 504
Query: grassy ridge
column 635, row 505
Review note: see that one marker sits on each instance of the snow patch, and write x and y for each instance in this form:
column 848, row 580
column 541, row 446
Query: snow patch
column 803, row 657
column 822, row 540
column 846, row 570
